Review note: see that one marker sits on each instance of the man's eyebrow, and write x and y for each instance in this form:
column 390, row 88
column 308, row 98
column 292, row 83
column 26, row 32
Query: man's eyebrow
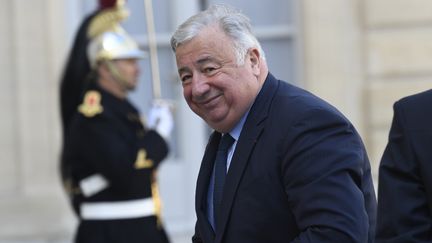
column 183, row 69
column 200, row 61
column 205, row 60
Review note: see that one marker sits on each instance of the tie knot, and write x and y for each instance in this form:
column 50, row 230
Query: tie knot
column 226, row 142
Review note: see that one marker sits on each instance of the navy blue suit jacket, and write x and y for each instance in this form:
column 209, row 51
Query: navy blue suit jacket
column 405, row 174
column 299, row 173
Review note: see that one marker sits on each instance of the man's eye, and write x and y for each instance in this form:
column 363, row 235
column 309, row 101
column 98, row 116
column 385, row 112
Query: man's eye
column 209, row 70
column 185, row 78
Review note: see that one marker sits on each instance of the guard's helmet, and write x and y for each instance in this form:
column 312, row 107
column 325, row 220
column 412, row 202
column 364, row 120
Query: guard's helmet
column 111, row 45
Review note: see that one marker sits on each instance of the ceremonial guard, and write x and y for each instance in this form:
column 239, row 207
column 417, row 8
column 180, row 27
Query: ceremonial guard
column 109, row 155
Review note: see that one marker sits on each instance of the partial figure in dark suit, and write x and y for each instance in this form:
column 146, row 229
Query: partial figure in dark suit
column 297, row 170
column 110, row 156
column 405, row 174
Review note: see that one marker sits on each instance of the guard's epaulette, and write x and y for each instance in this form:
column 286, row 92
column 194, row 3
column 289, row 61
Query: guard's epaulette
column 91, row 105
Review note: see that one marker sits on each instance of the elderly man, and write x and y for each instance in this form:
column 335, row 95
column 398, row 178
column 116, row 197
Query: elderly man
column 282, row 165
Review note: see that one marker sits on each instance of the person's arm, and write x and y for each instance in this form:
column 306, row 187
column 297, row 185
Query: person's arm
column 115, row 157
column 323, row 175
column 403, row 213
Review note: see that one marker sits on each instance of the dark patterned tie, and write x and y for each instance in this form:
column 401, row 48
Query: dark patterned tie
column 220, row 173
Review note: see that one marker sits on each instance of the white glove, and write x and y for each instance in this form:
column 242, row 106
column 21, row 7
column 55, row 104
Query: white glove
column 160, row 118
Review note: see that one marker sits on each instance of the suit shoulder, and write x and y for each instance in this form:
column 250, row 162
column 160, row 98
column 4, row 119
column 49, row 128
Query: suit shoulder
column 422, row 99
column 300, row 101
column 415, row 109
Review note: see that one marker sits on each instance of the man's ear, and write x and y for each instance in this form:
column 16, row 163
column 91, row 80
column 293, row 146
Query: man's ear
column 255, row 60
column 103, row 69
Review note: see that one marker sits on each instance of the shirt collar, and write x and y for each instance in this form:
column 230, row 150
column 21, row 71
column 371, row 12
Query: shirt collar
column 235, row 132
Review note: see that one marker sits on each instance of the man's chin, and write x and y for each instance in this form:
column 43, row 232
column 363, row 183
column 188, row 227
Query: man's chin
column 220, row 126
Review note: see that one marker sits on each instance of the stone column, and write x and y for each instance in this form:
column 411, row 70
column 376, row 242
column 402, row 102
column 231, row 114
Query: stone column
column 32, row 203
column 333, row 44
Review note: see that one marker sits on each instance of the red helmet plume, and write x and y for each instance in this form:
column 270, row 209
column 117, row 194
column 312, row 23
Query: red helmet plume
column 104, row 4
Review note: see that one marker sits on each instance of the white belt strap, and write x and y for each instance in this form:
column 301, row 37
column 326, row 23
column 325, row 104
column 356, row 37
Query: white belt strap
column 93, row 184
column 118, row 210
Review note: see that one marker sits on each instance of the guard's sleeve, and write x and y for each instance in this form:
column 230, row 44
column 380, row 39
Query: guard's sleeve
column 323, row 174
column 403, row 213
column 155, row 145
column 115, row 154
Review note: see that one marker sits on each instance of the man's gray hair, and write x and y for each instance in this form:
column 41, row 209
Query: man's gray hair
column 235, row 24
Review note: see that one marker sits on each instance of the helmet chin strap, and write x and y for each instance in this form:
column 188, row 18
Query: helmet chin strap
column 118, row 77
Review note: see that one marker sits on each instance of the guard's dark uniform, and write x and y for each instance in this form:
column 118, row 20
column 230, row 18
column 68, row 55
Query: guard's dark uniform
column 112, row 158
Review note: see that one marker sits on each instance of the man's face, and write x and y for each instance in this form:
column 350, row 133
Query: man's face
column 128, row 70
column 215, row 87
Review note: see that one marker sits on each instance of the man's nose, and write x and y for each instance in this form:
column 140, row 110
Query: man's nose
column 200, row 85
column 136, row 67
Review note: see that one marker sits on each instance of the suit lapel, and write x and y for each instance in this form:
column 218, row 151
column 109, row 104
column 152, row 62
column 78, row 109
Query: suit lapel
column 249, row 136
column 204, row 176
